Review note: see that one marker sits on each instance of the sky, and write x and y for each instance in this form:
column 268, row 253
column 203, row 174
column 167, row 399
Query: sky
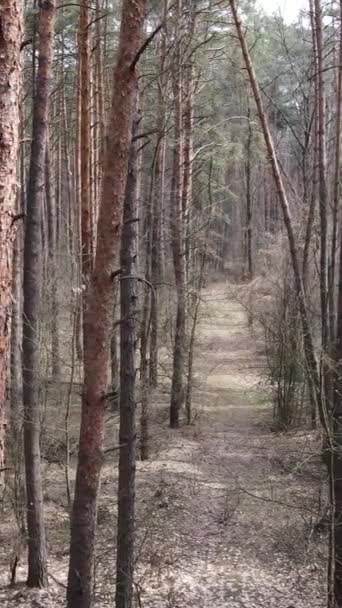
column 288, row 8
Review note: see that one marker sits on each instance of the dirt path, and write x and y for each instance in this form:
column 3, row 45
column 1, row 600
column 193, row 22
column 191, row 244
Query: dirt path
column 213, row 523
column 215, row 544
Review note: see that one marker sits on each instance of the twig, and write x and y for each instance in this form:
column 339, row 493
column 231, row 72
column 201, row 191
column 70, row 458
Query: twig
column 141, row 279
column 145, row 45
column 57, row 581
column 18, row 216
column 25, row 43
column 114, row 448
column 116, row 273
column 276, row 502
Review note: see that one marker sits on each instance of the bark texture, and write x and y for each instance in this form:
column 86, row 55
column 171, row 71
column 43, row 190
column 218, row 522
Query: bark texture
column 248, row 168
column 86, row 223
column 157, row 209
column 337, row 464
column 10, row 38
column 37, row 553
column 177, row 232
column 127, row 434
column 322, row 184
column 335, row 584
column 99, row 308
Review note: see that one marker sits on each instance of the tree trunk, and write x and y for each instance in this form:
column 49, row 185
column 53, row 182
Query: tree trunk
column 145, row 325
column 16, row 347
column 157, row 211
column 127, row 434
column 177, row 232
column 17, row 454
column 99, row 309
column 37, row 554
column 144, row 338
column 335, row 585
column 322, row 184
column 336, row 566
column 86, row 220
column 53, row 269
column 192, row 340
column 10, row 39
column 336, row 194
column 70, row 198
column 248, row 162
column 114, row 350
column 188, row 126
column 77, row 218
column 16, row 352
column 312, row 367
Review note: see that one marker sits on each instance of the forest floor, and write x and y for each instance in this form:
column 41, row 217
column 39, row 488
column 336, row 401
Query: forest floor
column 225, row 507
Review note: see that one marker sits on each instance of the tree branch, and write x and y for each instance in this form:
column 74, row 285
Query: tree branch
column 145, row 45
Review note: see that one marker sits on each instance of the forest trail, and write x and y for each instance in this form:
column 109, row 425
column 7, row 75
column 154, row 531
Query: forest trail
column 213, row 526
column 225, row 537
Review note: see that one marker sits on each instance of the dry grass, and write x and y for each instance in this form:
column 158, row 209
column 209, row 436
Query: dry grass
column 224, row 507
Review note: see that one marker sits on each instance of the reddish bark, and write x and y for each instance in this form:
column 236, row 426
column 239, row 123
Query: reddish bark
column 99, row 308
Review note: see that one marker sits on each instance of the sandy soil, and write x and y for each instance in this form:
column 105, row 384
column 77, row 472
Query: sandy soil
column 225, row 507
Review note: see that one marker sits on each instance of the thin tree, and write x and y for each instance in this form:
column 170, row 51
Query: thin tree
column 158, row 193
column 177, row 229
column 52, row 265
column 17, row 454
column 336, row 193
column 37, row 553
column 312, row 366
column 188, row 126
column 322, row 181
column 84, row 152
column 336, row 460
column 333, row 432
column 248, row 166
column 127, row 432
column 312, row 206
column 99, row 308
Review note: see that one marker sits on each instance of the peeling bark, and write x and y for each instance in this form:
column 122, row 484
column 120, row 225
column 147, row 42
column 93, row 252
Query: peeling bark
column 10, row 39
